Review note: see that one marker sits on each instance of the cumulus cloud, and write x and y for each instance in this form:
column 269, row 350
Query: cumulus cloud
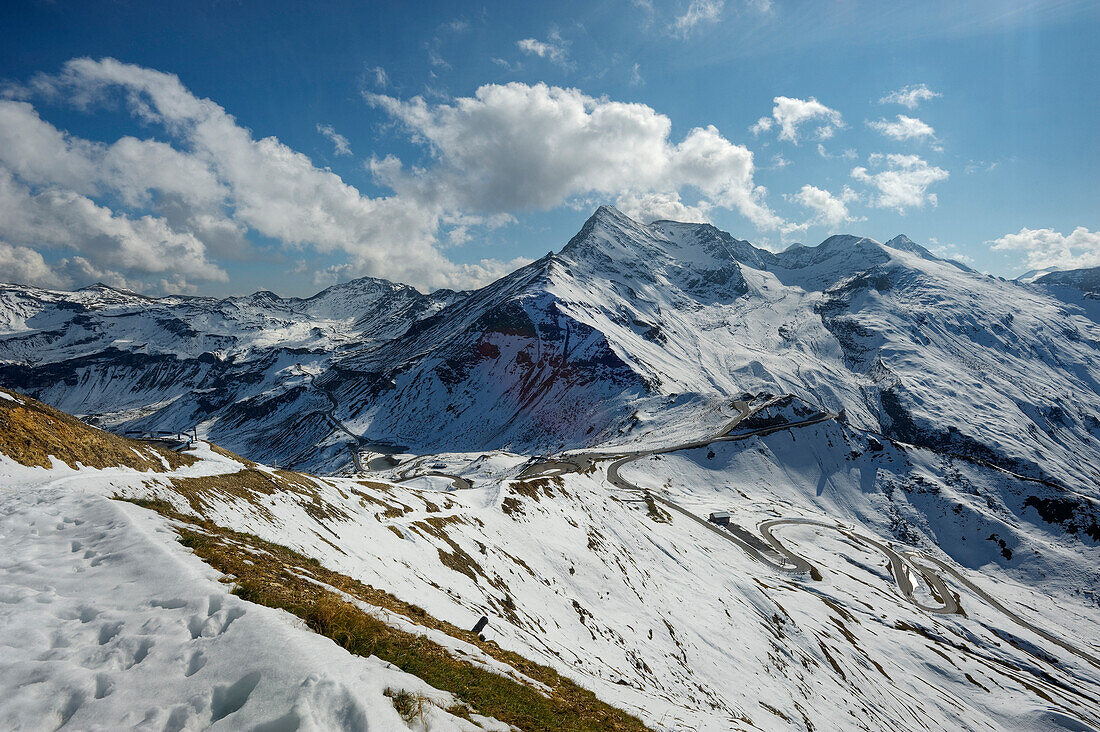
column 761, row 126
column 909, row 96
column 649, row 207
column 831, row 211
column 219, row 180
column 902, row 181
column 789, row 114
column 698, row 13
column 339, row 142
column 64, row 219
column 25, row 266
column 905, row 128
column 1048, row 248
column 162, row 213
column 555, row 49
column 516, row 147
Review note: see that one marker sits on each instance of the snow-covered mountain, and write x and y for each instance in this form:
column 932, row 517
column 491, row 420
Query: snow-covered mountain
column 628, row 329
column 922, row 439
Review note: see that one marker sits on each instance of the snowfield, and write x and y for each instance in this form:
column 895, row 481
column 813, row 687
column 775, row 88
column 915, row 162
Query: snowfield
column 107, row 623
column 659, row 614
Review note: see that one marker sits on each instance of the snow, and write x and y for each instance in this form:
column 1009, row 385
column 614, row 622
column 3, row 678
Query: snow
column 618, row 338
column 107, row 623
column 970, row 404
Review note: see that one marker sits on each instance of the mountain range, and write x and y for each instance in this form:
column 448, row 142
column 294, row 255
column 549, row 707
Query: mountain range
column 899, row 457
column 626, row 331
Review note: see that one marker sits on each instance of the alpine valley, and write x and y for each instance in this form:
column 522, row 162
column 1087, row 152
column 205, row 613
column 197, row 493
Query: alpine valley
column 690, row 483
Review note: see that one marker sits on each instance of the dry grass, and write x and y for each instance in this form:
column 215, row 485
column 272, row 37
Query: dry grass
column 31, row 432
column 250, row 483
column 533, row 488
column 276, row 576
column 409, row 705
column 457, row 559
column 655, row 512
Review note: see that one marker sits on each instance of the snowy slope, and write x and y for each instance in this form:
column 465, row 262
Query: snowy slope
column 1079, row 287
column 107, row 623
column 674, row 621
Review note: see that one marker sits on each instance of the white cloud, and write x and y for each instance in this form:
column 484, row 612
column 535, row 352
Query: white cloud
column 380, row 77
column 339, row 142
column 903, row 181
column 761, row 125
column 555, row 49
column 39, row 153
column 949, row 251
column 847, row 154
column 222, row 179
column 832, row 211
column 1048, row 248
column 980, row 166
column 210, row 183
column 909, row 96
column 649, row 207
column 636, row 75
column 64, row 219
column 699, row 12
column 790, row 114
column 506, row 65
column 514, row 147
column 25, row 266
column 906, row 128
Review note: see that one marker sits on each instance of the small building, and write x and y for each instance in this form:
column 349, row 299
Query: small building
column 722, row 518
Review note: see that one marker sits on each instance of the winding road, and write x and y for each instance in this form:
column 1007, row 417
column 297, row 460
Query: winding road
column 907, row 567
column 357, row 441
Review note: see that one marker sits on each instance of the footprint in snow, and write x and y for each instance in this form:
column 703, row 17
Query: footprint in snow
column 194, row 664
column 227, row 699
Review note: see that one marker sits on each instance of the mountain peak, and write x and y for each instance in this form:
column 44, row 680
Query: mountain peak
column 606, row 211
column 901, row 241
column 606, row 226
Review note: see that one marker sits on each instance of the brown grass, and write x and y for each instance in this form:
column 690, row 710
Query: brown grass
column 31, row 432
column 250, row 483
column 409, row 705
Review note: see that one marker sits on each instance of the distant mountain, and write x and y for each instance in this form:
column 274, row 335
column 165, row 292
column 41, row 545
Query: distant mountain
column 1085, row 280
column 1033, row 274
column 627, row 328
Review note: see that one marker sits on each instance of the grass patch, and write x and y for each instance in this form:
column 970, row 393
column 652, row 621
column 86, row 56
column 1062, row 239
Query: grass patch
column 534, row 488
column 410, row 706
column 31, row 432
column 655, row 512
column 249, row 483
column 276, row 576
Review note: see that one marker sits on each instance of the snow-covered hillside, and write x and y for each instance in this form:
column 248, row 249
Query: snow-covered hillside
column 107, row 622
column 860, row 583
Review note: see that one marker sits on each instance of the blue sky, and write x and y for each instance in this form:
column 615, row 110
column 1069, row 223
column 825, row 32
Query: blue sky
column 220, row 148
